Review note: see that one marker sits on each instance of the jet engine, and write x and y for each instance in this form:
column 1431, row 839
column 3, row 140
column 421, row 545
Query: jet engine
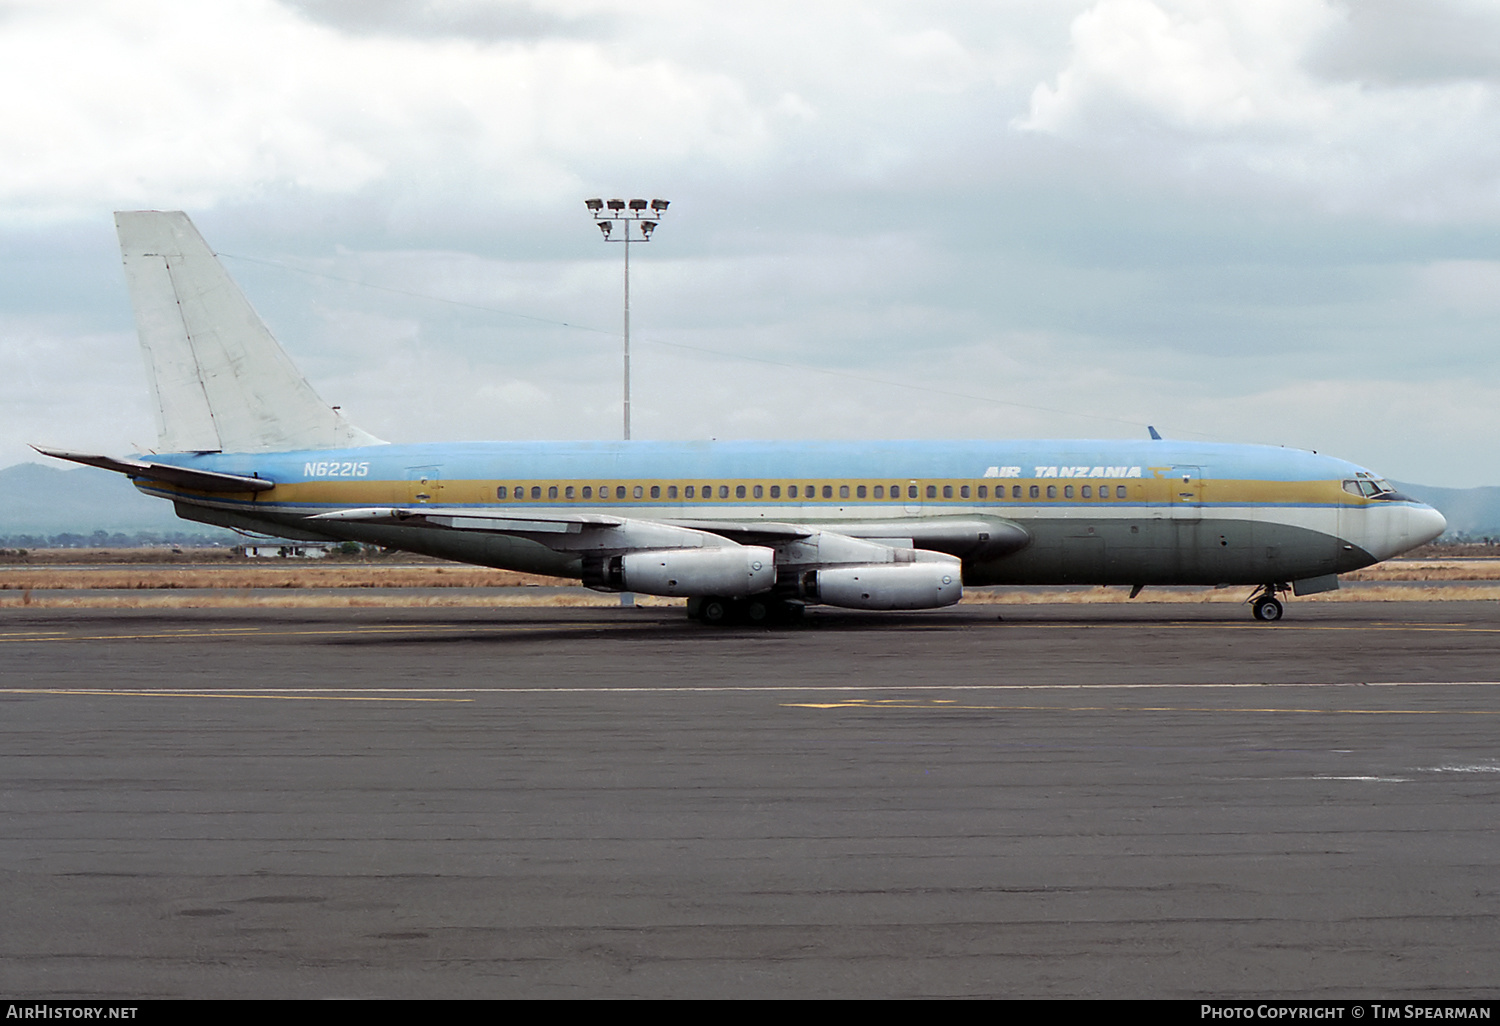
column 732, row 571
column 924, row 585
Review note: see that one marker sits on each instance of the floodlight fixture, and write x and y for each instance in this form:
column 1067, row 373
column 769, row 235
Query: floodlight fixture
column 646, row 224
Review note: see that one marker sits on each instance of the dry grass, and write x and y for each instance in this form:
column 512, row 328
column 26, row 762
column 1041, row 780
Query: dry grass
column 247, row 575
column 240, row 576
column 248, row 584
column 1430, row 570
column 574, row 598
column 1199, row 596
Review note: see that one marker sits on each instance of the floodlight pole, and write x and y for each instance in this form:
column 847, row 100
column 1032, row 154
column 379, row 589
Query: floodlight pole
column 638, row 218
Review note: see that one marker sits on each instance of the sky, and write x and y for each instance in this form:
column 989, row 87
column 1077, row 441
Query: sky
column 1270, row 221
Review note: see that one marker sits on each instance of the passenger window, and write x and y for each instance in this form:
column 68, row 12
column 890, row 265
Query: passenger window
column 776, row 491
column 1067, row 491
column 500, row 492
column 723, row 491
column 656, row 491
column 552, row 492
column 843, row 491
column 1015, row 491
column 636, row 491
column 757, row 492
column 671, row 491
column 739, row 491
column 880, row 491
column 619, row 491
column 588, row 491
column 963, row 492
column 828, row 491
column 1036, row 491
column 947, row 491
column 569, row 491
column 1052, row 491
column 911, row 491
column 859, row 493
column 1119, row 491
column 932, row 491
column 536, row 491
column 984, row 492
column 791, row 491
column 690, row 492
column 1087, row 493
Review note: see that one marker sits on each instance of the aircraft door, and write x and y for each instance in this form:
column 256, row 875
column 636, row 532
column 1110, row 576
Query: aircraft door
column 425, row 484
column 1186, row 511
column 1187, row 493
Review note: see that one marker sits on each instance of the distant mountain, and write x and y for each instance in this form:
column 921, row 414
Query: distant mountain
column 47, row 501
column 1472, row 512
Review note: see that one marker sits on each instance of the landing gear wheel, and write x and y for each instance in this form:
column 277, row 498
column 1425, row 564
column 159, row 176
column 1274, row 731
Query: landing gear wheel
column 1266, row 608
column 714, row 611
column 760, row 612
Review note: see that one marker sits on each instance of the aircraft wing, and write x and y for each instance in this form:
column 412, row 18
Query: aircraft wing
column 959, row 536
column 183, row 477
column 988, row 537
column 498, row 522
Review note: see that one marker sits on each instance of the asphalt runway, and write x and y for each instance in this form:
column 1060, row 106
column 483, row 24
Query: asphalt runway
column 1071, row 801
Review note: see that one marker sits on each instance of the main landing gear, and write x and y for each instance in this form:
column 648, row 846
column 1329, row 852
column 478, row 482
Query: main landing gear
column 1265, row 605
column 756, row 611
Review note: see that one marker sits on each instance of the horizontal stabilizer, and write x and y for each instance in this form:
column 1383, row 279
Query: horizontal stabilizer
column 183, row 477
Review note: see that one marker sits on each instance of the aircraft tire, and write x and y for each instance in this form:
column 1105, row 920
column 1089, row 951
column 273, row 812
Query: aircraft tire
column 760, row 612
column 715, row 611
column 1267, row 609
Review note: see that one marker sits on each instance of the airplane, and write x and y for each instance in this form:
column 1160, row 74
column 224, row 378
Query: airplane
column 747, row 532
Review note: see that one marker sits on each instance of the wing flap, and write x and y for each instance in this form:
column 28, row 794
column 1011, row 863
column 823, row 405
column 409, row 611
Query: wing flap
column 477, row 520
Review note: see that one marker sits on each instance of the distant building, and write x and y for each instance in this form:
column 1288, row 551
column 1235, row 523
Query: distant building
column 287, row 550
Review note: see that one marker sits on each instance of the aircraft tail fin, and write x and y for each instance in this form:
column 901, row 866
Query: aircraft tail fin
column 219, row 380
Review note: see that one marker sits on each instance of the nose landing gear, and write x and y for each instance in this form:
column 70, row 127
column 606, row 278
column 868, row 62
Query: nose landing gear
column 1265, row 605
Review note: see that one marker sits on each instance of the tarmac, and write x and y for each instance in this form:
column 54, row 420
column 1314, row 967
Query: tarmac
column 1003, row 801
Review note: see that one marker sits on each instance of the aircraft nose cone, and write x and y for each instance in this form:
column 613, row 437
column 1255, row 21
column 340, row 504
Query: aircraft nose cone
column 1426, row 524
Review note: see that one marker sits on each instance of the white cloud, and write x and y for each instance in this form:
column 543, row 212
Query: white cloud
column 1220, row 92
column 170, row 103
column 1217, row 212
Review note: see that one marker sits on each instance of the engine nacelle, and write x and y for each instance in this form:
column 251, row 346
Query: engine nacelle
column 925, row 585
column 732, row 571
